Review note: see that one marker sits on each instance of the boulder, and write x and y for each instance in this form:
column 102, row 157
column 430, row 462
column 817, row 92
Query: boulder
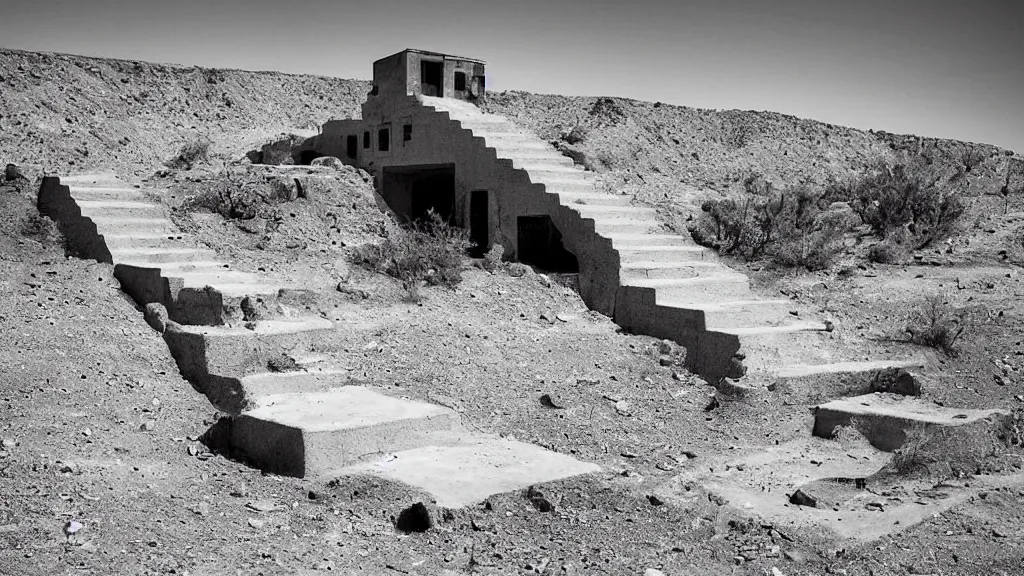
column 328, row 162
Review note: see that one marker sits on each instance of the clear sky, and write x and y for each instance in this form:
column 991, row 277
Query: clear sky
column 946, row 68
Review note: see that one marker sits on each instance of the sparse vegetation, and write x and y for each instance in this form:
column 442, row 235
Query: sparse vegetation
column 41, row 229
column 575, row 136
column 193, row 152
column 790, row 227
column 904, row 202
column 493, row 258
column 429, row 252
column 911, row 455
column 937, row 324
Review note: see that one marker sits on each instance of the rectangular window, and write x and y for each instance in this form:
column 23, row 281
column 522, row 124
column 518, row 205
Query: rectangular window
column 366, row 139
column 460, row 81
column 406, row 132
column 384, row 139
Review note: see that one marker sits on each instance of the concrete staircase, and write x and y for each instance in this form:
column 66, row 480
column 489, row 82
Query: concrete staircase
column 226, row 328
column 661, row 284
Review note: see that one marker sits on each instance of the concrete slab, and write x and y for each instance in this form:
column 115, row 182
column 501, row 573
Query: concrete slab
column 885, row 418
column 312, row 434
column 649, row 241
column 468, row 473
column 236, row 395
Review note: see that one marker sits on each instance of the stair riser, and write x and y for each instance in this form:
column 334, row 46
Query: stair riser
column 662, row 273
column 668, row 256
column 113, row 212
column 554, row 187
column 625, row 228
column 107, row 225
column 544, row 174
column 753, row 315
column 287, row 451
column 712, row 291
column 165, row 257
column 662, row 239
column 526, row 161
column 613, row 213
column 571, row 200
column 108, row 195
column 235, row 395
column 202, row 356
column 168, row 241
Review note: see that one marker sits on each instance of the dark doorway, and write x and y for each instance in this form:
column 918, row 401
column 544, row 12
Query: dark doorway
column 432, row 78
column 307, row 156
column 478, row 233
column 540, row 245
column 413, row 191
column 352, row 146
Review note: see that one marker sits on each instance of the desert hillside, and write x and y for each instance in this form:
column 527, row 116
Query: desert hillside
column 99, row 427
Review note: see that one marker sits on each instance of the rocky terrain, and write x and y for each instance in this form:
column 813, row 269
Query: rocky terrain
column 100, row 428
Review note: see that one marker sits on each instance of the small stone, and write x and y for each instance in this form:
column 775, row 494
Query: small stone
column 666, row 361
column 665, row 347
column 653, row 572
column 622, row 407
column 240, row 491
column 654, row 500
column 547, row 402
column 148, row 426
column 9, row 443
column 801, row 498
column 256, row 523
column 548, row 317
column 156, row 316
column 565, row 317
column 263, row 506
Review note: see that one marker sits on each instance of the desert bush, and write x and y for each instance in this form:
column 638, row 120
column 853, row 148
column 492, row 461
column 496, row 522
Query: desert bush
column 430, row 252
column 493, row 258
column 888, row 251
column 576, row 135
column 905, row 197
column 244, row 195
column 41, row 229
column 790, row 227
column 191, row 153
column 912, row 454
column 937, row 324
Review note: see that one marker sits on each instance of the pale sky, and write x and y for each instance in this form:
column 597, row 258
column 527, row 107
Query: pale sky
column 941, row 68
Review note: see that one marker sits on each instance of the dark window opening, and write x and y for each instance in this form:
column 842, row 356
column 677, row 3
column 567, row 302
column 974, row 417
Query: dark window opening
column 540, row 245
column 460, row 81
column 384, row 139
column 352, row 146
column 478, row 233
column 366, row 139
column 406, row 132
column 374, row 91
column 413, row 191
column 431, row 78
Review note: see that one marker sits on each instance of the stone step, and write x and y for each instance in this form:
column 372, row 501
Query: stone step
column 652, row 241
column 312, row 434
column 571, row 199
column 487, row 126
column 140, row 240
column 235, row 395
column 717, row 287
column 740, row 313
column 540, row 173
column 107, row 193
column 548, row 162
column 162, row 255
column 606, row 226
column 667, row 254
column 473, row 470
column 120, row 209
column 885, row 418
column 117, row 225
column 609, row 212
column 236, row 351
column 559, row 186
column 653, row 269
column 811, row 382
column 499, row 140
column 521, row 156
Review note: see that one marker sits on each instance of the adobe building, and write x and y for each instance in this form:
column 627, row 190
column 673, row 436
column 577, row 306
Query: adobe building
column 422, row 160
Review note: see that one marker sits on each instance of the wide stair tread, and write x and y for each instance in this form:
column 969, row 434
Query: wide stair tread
column 271, row 327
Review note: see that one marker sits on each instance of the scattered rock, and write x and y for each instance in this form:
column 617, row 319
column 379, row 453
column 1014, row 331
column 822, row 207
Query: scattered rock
column 622, row 407
column 415, row 518
column 264, row 506
column 156, row 316
column 801, row 498
column 896, row 381
column 283, row 363
column 536, row 497
column 352, row 291
column 13, row 172
column 328, row 162
column 666, row 361
column 565, row 317
column 714, row 404
column 547, row 402
column 256, row 523
column 548, row 317
column 654, row 500
column 517, row 269
column 148, row 426
column 653, row 572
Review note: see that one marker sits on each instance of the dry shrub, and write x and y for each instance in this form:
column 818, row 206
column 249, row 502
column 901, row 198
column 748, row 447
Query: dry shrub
column 791, row 227
column 905, row 201
column 41, row 229
column 937, row 324
column 576, row 135
column 493, row 258
column 191, row 153
column 430, row 251
column 912, row 454
column 244, row 195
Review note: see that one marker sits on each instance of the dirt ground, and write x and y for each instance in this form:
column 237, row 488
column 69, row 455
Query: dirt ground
column 99, row 427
